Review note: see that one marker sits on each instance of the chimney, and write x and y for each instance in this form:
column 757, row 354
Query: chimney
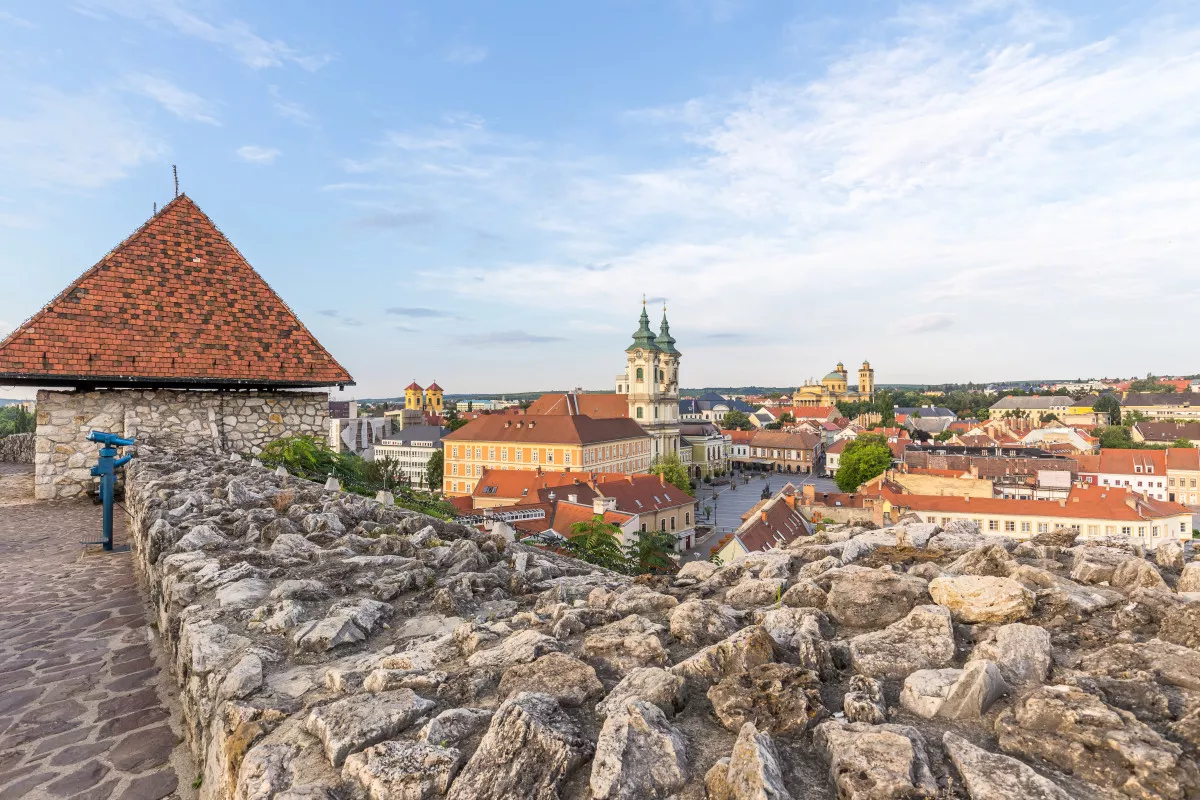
column 572, row 498
column 629, row 477
column 662, row 480
column 790, row 499
column 531, row 423
column 601, row 504
column 810, row 493
column 763, row 516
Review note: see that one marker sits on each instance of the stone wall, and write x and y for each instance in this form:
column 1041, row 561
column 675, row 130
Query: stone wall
column 236, row 422
column 17, row 448
column 327, row 646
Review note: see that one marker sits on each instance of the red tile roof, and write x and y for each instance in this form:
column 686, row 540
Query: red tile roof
column 739, row 437
column 433, row 387
column 175, row 304
column 416, row 387
column 638, row 494
column 1183, row 458
column 775, row 524
column 551, row 429
column 1086, row 502
column 598, row 406
column 518, row 484
column 783, row 440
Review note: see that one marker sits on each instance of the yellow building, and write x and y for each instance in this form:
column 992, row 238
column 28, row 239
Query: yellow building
column 835, row 388
column 428, row 400
column 566, row 443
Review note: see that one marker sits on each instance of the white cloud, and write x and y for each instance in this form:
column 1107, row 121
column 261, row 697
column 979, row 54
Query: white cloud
column 13, row 19
column 466, row 54
column 988, row 167
column 72, row 140
column 233, row 35
column 179, row 102
column 257, row 155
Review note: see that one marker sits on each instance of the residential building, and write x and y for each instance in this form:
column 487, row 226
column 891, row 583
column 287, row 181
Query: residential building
column 1140, row 471
column 1078, row 441
column 428, row 400
column 835, row 507
column 774, row 524
column 658, row 505
column 358, row 435
column 597, row 405
column 1183, row 406
column 835, row 388
column 551, row 520
column 573, row 443
column 507, row 487
column 1183, row 471
column 710, row 407
column 1011, row 476
column 783, row 451
column 1097, row 511
column 833, row 456
column 946, row 483
column 343, row 409
column 739, row 446
column 707, row 447
column 1033, row 407
column 1166, row 432
column 411, row 448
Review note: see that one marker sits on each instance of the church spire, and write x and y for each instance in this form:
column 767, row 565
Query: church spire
column 666, row 342
column 643, row 337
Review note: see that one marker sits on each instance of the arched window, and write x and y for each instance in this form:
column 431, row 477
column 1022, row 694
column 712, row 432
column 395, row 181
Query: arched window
column 687, row 518
column 662, row 376
column 672, row 523
column 664, row 526
column 639, row 412
column 643, row 527
column 639, row 373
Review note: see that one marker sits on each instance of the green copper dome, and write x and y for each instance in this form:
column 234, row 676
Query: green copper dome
column 666, row 342
column 836, row 376
column 643, row 337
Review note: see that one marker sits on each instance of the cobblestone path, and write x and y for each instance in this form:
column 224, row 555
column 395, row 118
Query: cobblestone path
column 79, row 712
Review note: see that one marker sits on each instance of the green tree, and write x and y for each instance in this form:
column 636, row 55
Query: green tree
column 1109, row 404
column 864, row 458
column 786, row 417
column 1150, row 384
column 736, row 421
column 1181, row 442
column 944, row 436
column 597, row 542
column 14, row 419
column 672, row 469
column 435, row 470
column 651, row 552
column 456, row 423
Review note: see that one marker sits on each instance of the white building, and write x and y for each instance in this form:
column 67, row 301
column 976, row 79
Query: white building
column 651, row 383
column 412, row 448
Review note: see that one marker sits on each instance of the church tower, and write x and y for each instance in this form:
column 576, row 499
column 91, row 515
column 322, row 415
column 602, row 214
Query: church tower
column 866, row 381
column 652, row 381
column 414, row 396
column 433, row 398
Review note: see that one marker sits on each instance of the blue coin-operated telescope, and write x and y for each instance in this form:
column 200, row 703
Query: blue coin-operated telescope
column 106, row 471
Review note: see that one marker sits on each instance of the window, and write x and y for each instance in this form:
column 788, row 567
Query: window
column 1154, row 531
column 1183, row 527
column 1010, row 526
column 673, row 525
column 1170, row 481
column 1109, row 530
column 454, row 469
column 504, row 454
column 945, row 521
column 454, row 451
column 549, row 456
column 519, row 454
column 567, row 457
column 639, row 412
column 1043, row 527
column 1093, row 530
column 687, row 518
column 1126, row 530
column 1139, row 483
column 931, row 520
column 491, row 454
column 643, row 527
column 639, row 373
column 1142, row 531
column 664, row 526
column 993, row 525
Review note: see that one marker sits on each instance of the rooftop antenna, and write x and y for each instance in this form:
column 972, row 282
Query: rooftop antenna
column 175, row 172
column 155, row 214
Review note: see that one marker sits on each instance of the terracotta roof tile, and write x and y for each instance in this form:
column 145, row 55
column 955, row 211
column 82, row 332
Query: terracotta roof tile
column 175, row 303
column 597, row 405
column 550, row 429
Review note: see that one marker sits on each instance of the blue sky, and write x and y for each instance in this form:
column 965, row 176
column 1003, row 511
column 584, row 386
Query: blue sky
column 480, row 193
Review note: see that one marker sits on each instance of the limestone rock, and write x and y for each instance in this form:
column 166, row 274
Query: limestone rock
column 642, row 600
column 992, row 776
column 293, row 545
column 989, row 559
column 1182, row 626
column 245, row 593
column 1096, row 563
column 804, row 593
column 695, row 570
column 1058, row 595
column 922, row 640
column 626, row 644
column 652, row 684
column 638, row 755
column 973, row 598
column 748, row 648
column 401, row 769
column 1080, row 735
column 347, row 726
column 701, row 622
column 565, row 678
column 453, row 725
column 530, row 747
column 519, row 648
column 777, row 698
column 977, row 688
column 755, row 592
column 1169, row 555
column 800, row 631
column 813, row 569
column 1189, row 579
column 870, row 598
column 926, row 689
column 754, row 772
column 915, row 534
column 201, row 537
column 1022, row 652
column 1137, row 573
column 875, row 761
column 865, row 544
column 1170, row 664
column 865, row 702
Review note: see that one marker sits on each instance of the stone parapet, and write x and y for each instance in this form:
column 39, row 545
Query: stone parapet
column 17, row 448
column 233, row 422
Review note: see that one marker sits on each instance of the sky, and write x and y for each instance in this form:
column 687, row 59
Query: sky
column 481, row 193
